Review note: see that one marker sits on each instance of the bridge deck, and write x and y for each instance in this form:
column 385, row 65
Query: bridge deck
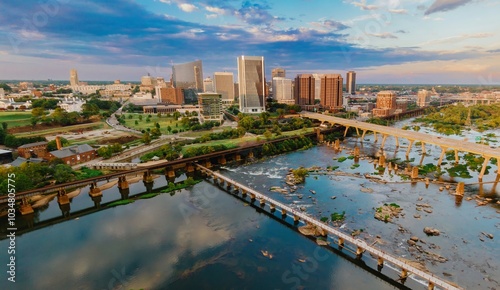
column 357, row 242
column 448, row 143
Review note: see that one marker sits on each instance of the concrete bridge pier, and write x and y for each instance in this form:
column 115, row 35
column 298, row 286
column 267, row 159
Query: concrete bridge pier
column 96, row 194
column 190, row 167
column 250, row 154
column 383, row 141
column 62, row 197
column 262, row 202
column 397, row 142
column 430, row 286
column 441, row 156
column 340, row 242
column 243, row 192
column 359, row 252
column 337, row 144
column 122, row 182
column 456, row 156
column 381, row 160
column 283, row 213
column 375, row 136
column 296, row 219
column 357, row 132
column 237, row 157
column 414, row 173
column 423, row 148
column 409, row 148
column 25, row 207
column 222, row 160
column 363, row 135
column 147, row 177
column 272, row 207
column 169, row 172
column 422, row 159
column 345, row 131
column 403, row 275
column 124, row 192
column 356, row 151
column 460, row 189
column 483, row 169
column 380, row 264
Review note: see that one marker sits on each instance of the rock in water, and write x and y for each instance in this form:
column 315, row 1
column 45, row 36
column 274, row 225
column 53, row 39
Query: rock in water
column 431, row 231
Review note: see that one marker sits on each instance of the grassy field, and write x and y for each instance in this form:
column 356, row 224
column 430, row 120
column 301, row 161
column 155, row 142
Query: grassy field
column 15, row 119
column 164, row 122
column 53, row 131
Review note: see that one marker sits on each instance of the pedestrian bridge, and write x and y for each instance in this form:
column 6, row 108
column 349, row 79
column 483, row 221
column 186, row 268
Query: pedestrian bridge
column 342, row 238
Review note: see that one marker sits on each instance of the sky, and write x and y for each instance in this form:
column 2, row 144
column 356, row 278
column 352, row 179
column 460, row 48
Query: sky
column 384, row 41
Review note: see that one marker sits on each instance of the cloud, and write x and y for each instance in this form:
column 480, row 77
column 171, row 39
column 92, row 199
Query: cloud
column 384, row 35
column 398, row 11
column 186, row 7
column 255, row 14
column 363, row 6
column 458, row 38
column 330, row 25
column 402, row 31
column 215, row 10
column 445, row 5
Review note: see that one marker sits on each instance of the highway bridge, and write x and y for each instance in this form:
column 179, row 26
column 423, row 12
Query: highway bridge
column 444, row 143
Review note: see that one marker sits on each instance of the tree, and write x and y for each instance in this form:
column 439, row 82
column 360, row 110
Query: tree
column 281, row 113
column 140, row 117
column 89, row 110
column 159, row 114
column 136, row 122
column 52, row 145
column 268, row 135
column 38, row 112
column 176, row 115
column 146, row 138
column 169, row 129
column 264, row 117
column 104, row 152
column 63, row 173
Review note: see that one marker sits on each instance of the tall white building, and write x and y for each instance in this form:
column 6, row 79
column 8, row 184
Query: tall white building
column 282, row 90
column 251, row 84
column 208, row 85
column 224, row 85
column 424, row 98
column 2, row 93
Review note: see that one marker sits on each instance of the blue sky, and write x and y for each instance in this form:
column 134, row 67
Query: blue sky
column 391, row 41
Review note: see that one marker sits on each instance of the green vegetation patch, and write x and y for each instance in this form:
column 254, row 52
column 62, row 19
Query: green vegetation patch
column 337, row 216
column 342, row 159
column 120, row 202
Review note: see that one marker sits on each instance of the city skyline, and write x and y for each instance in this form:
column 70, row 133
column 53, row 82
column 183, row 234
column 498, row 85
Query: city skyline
column 397, row 42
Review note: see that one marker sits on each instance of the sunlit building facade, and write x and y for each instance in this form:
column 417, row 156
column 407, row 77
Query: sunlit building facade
column 251, row 84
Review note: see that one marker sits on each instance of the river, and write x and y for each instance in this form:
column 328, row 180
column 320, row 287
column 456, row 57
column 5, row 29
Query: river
column 204, row 238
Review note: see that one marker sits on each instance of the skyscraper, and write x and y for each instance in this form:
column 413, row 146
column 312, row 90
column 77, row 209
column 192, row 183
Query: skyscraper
column 282, row 90
column 224, row 85
column 189, row 77
column 351, row 82
column 331, row 92
column 278, row 73
column 251, row 84
column 73, row 78
column 304, row 89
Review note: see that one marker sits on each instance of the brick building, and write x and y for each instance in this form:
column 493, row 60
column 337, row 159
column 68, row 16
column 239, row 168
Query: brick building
column 37, row 149
column 75, row 154
column 386, row 104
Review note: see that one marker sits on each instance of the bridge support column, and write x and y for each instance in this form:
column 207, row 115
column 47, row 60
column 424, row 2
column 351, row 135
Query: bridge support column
column 296, row 218
column 190, row 168
column 237, row 157
column 460, row 189
column 208, row 164
column 456, row 156
column 122, row 182
column 430, row 286
column 62, row 198
column 357, row 132
column 243, row 192
column 96, row 194
column 359, row 252
column 222, row 160
column 423, row 148
column 441, row 156
column 356, row 151
column 262, row 202
column 337, row 144
column 483, row 169
column 375, row 136
column 383, row 142
column 404, row 274
column 346, row 129
column 25, row 207
column 409, row 148
column 340, row 242
column 380, row 262
column 414, row 173
column 252, row 196
column 363, row 135
column 283, row 213
column 397, row 141
column 381, row 160
column 272, row 207
column 250, row 155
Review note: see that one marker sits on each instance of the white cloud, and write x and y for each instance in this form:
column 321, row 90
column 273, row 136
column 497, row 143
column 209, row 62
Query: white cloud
column 212, row 16
column 457, row 38
column 215, row 10
column 398, row 11
column 384, row 35
column 186, row 7
column 363, row 6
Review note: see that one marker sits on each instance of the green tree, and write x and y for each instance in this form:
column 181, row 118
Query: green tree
column 268, row 135
column 52, row 145
column 140, row 117
column 38, row 112
column 169, row 129
column 63, row 173
column 176, row 115
column 89, row 110
column 136, row 122
column 146, row 138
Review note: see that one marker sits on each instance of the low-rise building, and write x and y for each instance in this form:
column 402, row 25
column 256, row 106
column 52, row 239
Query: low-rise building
column 37, row 149
column 74, row 154
column 71, row 104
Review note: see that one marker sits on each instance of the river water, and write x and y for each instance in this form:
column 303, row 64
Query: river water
column 205, row 238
